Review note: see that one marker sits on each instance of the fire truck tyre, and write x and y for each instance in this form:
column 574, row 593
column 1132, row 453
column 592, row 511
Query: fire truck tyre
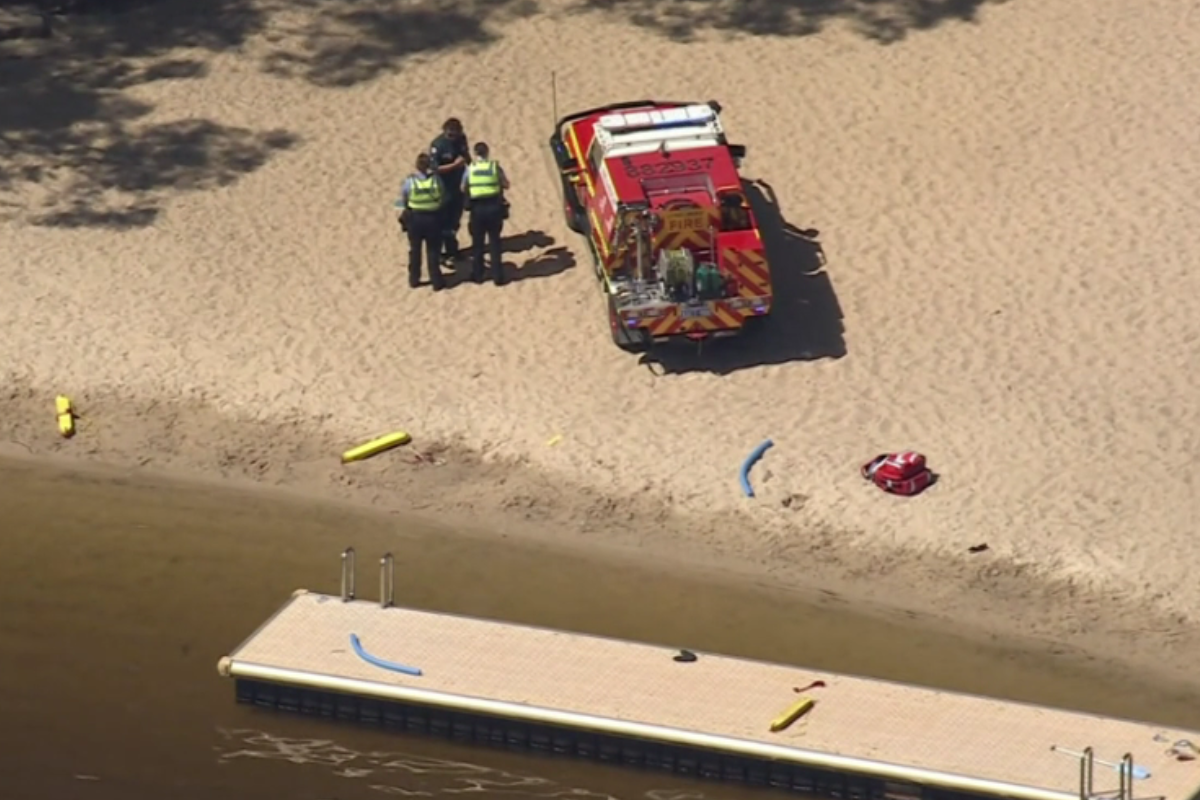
column 631, row 341
column 571, row 209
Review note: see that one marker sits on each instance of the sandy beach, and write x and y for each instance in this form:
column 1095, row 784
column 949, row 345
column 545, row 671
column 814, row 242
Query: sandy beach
column 199, row 249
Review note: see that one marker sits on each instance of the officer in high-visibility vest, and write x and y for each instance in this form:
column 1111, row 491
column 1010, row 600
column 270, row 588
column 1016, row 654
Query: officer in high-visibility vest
column 422, row 197
column 484, row 184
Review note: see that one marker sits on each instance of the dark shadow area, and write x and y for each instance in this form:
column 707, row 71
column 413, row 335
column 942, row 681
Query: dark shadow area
column 346, row 42
column 884, row 21
column 73, row 143
column 23, row 20
column 528, row 240
column 454, row 276
column 149, row 28
column 551, row 262
column 74, row 146
column 805, row 323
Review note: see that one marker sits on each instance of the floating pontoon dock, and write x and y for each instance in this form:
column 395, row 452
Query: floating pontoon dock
column 525, row 687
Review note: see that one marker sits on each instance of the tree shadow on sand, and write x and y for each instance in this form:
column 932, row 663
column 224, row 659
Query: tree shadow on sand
column 76, row 147
column 883, row 21
column 339, row 43
column 805, row 323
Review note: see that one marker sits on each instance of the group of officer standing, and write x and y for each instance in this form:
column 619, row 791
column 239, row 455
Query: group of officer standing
column 450, row 178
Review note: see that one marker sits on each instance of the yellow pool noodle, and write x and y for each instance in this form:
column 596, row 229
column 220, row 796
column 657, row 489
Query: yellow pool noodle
column 376, row 446
column 66, row 416
column 794, row 712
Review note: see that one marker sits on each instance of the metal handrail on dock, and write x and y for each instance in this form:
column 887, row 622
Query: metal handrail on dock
column 348, row 574
column 387, row 581
column 582, row 696
column 1126, row 777
column 387, row 578
column 1087, row 774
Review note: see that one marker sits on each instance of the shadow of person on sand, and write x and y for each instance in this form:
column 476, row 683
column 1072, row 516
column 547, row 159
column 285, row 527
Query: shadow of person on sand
column 546, row 264
column 805, row 323
column 551, row 261
column 529, row 240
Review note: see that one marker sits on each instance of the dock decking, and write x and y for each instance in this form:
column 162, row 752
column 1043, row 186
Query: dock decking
column 888, row 731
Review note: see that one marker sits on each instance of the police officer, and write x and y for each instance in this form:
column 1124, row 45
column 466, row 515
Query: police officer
column 421, row 203
column 451, row 155
column 484, row 183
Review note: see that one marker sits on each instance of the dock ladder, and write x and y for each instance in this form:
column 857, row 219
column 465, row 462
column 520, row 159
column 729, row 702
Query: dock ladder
column 387, row 578
column 1087, row 772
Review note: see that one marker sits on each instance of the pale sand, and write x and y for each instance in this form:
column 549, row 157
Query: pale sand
column 1008, row 208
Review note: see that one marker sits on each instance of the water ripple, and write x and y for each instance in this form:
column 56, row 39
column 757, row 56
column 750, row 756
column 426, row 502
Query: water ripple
column 408, row 775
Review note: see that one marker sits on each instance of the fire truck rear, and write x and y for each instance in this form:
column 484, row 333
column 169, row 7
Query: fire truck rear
column 655, row 189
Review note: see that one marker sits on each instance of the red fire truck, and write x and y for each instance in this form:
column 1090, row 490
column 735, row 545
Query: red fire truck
column 654, row 188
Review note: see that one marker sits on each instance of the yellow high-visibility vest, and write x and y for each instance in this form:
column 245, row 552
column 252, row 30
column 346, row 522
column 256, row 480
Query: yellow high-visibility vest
column 483, row 180
column 425, row 194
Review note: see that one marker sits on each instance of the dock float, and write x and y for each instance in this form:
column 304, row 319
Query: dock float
column 522, row 687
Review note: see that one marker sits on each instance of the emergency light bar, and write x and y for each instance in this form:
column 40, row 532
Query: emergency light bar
column 698, row 114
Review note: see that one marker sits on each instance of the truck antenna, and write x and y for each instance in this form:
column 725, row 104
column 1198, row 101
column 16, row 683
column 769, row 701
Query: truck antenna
column 554, row 94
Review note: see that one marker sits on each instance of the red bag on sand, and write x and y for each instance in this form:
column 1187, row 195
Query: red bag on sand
column 899, row 473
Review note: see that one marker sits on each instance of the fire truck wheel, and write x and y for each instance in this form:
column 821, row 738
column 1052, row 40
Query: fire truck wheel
column 571, row 209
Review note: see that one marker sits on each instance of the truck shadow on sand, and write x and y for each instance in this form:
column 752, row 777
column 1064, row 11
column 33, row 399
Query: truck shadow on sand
column 805, row 322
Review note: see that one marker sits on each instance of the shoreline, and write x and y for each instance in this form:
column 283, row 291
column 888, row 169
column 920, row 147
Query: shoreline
column 476, row 496
column 203, row 255
column 141, row 570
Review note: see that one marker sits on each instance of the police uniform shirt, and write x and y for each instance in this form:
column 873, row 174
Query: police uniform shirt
column 444, row 150
column 499, row 178
column 423, row 201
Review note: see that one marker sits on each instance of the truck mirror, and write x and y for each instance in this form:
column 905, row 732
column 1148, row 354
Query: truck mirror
column 738, row 151
column 561, row 155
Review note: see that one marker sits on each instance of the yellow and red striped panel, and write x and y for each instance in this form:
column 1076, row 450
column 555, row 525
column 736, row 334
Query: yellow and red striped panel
column 749, row 268
column 722, row 318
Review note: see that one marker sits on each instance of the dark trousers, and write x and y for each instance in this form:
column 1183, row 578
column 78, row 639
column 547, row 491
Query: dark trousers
column 452, row 212
column 487, row 221
column 425, row 238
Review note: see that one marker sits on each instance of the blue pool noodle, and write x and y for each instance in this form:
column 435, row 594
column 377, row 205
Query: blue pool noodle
column 379, row 662
column 754, row 456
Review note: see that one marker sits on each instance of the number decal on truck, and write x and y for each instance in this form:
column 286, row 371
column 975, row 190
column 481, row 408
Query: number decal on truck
column 674, row 166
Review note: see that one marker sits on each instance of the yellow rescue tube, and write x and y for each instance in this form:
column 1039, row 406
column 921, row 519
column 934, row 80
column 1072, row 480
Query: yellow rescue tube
column 376, row 446
column 66, row 416
column 794, row 712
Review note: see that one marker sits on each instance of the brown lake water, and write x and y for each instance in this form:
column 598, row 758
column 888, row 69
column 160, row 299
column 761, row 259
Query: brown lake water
column 118, row 594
